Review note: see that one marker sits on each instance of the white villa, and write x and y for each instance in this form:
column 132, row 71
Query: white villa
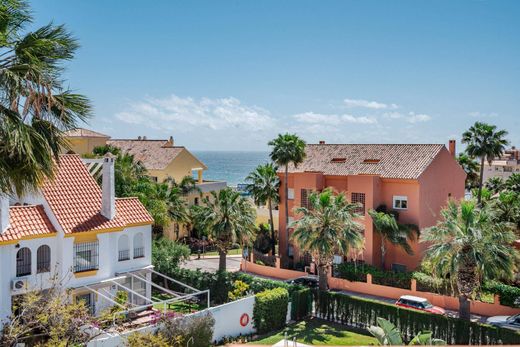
column 72, row 229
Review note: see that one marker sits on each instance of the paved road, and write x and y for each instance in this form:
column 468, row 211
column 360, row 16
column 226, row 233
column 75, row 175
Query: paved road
column 210, row 264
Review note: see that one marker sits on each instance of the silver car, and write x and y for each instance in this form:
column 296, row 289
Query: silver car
column 511, row 322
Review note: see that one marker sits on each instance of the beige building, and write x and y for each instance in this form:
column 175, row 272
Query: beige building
column 503, row 167
column 161, row 158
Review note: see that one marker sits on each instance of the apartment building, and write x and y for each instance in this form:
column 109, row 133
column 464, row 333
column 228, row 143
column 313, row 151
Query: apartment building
column 504, row 166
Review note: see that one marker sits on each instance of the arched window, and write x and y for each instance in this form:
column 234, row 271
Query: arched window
column 138, row 245
column 43, row 259
column 23, row 262
column 123, row 248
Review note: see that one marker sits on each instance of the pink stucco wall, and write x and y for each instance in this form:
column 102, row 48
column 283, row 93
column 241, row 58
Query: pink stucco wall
column 427, row 195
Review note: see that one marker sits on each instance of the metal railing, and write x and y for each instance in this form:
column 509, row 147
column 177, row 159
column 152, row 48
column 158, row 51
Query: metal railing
column 124, row 255
column 86, row 256
column 139, row 252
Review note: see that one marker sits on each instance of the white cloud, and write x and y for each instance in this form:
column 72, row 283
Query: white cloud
column 417, row 118
column 352, row 103
column 477, row 114
column 332, row 119
column 187, row 113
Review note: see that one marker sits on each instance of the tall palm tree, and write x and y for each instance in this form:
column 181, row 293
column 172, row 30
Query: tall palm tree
column 471, row 167
column 35, row 107
column 392, row 232
column 485, row 142
column 495, row 184
column 468, row 245
column 327, row 228
column 226, row 217
column 187, row 185
column 264, row 186
column 287, row 149
column 513, row 183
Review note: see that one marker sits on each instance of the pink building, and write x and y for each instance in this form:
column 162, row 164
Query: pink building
column 415, row 180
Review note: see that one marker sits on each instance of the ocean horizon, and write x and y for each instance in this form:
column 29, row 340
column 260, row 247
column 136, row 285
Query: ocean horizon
column 231, row 166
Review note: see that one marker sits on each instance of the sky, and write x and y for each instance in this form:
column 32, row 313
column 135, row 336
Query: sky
column 231, row 75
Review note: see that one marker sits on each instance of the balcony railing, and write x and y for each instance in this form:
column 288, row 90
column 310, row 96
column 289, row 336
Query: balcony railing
column 139, row 252
column 209, row 186
column 124, row 255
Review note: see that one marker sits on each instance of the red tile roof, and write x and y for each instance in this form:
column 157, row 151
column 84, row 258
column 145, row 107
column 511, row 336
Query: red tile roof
column 25, row 221
column 402, row 161
column 75, row 199
column 132, row 211
column 81, row 132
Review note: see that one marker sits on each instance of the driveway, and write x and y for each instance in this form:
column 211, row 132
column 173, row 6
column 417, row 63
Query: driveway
column 210, row 263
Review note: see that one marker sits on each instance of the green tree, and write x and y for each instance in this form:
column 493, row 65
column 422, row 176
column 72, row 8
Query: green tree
column 35, row 106
column 387, row 334
column 485, row 142
column 327, row 228
column 226, row 217
column 467, row 246
column 287, row 149
column 495, row 184
column 513, row 183
column 264, row 186
column 392, row 232
column 471, row 167
column 506, row 208
column 186, row 186
column 168, row 254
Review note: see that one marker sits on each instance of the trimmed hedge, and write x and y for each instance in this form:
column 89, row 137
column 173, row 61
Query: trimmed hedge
column 509, row 295
column 362, row 313
column 358, row 272
column 270, row 310
column 301, row 303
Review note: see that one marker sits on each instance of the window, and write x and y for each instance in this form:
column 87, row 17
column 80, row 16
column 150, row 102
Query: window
column 124, row 248
column 86, row 256
column 87, row 301
column 359, row 198
column 23, row 262
column 398, row 268
column 138, row 246
column 508, row 169
column 305, row 198
column 400, row 202
column 43, row 259
column 196, row 201
column 290, row 194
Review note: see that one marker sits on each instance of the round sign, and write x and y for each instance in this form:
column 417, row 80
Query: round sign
column 244, row 319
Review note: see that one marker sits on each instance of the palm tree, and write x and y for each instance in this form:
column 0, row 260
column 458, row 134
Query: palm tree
column 392, row 232
column 506, row 208
column 387, row 334
column 187, row 185
column 264, row 187
column 327, row 228
column 471, row 168
column 226, row 217
column 467, row 246
column 485, row 142
column 495, row 184
column 513, row 183
column 287, row 149
column 35, row 107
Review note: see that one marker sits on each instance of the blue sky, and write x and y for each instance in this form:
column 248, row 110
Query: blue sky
column 220, row 75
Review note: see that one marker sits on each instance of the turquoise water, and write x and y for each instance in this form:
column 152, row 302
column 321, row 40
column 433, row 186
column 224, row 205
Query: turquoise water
column 230, row 166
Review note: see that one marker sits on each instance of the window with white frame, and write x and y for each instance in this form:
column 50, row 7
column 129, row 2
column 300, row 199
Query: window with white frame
column 290, row 194
column 400, row 202
column 123, row 248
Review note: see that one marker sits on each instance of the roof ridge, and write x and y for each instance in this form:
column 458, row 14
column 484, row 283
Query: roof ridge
column 25, row 206
column 375, row 144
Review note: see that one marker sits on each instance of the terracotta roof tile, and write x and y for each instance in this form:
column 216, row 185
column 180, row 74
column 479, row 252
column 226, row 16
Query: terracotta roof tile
column 25, row 221
column 403, row 161
column 75, row 199
column 81, row 132
column 132, row 211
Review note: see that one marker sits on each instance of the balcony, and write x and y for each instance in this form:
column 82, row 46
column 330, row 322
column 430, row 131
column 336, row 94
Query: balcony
column 209, row 186
column 124, row 255
column 138, row 253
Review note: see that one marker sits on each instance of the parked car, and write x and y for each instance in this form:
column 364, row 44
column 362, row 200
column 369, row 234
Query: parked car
column 307, row 281
column 418, row 303
column 511, row 322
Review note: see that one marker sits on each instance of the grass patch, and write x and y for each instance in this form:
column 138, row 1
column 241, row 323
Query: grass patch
column 237, row 251
column 320, row 333
column 177, row 306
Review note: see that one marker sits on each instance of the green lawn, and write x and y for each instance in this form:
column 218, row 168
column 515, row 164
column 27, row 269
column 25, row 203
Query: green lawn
column 237, row 251
column 319, row 333
column 178, row 306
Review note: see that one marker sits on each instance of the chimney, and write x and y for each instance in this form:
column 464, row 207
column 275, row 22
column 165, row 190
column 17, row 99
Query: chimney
column 169, row 143
column 108, row 202
column 139, row 138
column 322, row 142
column 4, row 213
column 144, row 138
column 452, row 148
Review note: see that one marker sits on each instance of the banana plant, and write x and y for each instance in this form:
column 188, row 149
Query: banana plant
column 387, row 334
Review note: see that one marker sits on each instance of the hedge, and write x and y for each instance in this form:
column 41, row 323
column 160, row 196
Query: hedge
column 270, row 310
column 509, row 295
column 221, row 283
column 301, row 303
column 358, row 272
column 362, row 313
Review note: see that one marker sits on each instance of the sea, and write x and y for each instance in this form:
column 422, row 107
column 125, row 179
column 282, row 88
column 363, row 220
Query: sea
column 230, row 166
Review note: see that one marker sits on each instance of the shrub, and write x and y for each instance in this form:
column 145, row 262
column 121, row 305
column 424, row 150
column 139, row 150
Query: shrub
column 301, row 303
column 270, row 310
column 239, row 290
column 195, row 330
column 353, row 271
column 427, row 283
column 509, row 295
column 148, row 339
column 167, row 254
column 362, row 313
